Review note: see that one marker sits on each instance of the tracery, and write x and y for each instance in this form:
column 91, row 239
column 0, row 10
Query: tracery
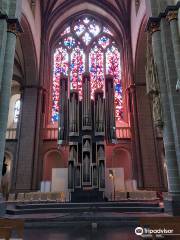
column 87, row 45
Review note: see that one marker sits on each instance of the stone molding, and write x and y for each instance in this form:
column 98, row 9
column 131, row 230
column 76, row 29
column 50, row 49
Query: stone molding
column 170, row 13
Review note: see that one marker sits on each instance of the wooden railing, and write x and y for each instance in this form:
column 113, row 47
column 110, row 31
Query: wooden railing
column 11, row 133
column 123, row 132
column 52, row 133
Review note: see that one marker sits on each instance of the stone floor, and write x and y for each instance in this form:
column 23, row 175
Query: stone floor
column 79, row 233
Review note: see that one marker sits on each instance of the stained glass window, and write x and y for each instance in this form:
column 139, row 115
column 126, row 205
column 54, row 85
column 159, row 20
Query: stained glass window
column 104, row 41
column 77, row 68
column 86, row 45
column 60, row 66
column 96, row 69
column 113, row 68
column 17, row 110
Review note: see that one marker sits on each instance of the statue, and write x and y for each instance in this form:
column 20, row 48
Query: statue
column 152, row 84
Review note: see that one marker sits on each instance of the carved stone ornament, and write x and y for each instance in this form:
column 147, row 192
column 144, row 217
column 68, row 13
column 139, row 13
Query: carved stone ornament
column 14, row 27
column 154, row 26
column 172, row 15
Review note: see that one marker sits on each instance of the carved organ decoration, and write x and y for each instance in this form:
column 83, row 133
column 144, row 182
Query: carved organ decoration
column 153, row 85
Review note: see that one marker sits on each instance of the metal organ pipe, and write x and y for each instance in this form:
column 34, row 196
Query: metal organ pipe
column 63, row 112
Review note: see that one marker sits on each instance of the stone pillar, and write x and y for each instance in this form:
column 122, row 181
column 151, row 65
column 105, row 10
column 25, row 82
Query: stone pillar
column 5, row 91
column 3, row 38
column 172, row 17
column 26, row 145
column 171, row 79
column 136, row 151
column 168, row 136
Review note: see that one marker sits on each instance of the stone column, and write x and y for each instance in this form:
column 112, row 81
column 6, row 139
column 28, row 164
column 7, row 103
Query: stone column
column 172, row 17
column 3, row 38
column 6, row 84
column 136, row 148
column 168, row 136
column 26, row 143
column 5, row 91
column 171, row 80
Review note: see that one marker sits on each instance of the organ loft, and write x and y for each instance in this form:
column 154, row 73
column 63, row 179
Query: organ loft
column 86, row 126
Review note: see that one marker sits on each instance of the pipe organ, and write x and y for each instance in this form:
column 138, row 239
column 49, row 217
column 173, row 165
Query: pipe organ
column 86, row 126
column 63, row 112
column 110, row 110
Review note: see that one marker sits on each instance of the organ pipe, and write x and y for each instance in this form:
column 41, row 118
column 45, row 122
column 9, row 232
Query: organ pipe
column 86, row 103
column 63, row 112
column 109, row 109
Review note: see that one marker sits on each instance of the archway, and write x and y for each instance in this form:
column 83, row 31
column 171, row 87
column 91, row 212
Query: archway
column 122, row 159
column 52, row 159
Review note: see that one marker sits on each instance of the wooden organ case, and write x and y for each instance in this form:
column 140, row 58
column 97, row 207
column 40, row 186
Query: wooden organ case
column 86, row 126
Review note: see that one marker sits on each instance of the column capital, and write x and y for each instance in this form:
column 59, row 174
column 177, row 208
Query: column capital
column 172, row 15
column 14, row 26
column 153, row 25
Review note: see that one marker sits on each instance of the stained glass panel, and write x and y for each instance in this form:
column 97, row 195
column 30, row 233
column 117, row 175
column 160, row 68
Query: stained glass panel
column 96, row 69
column 79, row 29
column 66, row 31
column 77, row 68
column 17, row 110
column 104, row 41
column 86, row 20
column 86, row 38
column 69, row 42
column 106, row 30
column 60, row 66
column 94, row 29
column 113, row 68
column 69, row 59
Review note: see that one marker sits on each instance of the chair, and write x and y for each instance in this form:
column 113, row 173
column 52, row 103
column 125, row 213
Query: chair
column 51, row 196
column 36, row 197
column 28, row 197
column 11, row 198
column 20, row 197
column 60, row 197
column 44, row 197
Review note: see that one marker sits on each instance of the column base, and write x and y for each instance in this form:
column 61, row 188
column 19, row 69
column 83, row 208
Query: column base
column 2, row 206
column 172, row 204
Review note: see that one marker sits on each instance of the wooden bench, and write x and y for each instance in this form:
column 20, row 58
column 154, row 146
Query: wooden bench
column 12, row 224
column 5, row 232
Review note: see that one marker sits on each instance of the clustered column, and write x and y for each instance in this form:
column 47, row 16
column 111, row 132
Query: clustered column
column 7, row 73
column 168, row 137
column 172, row 17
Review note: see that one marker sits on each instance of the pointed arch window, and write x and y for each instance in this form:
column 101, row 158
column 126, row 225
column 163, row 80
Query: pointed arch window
column 17, row 107
column 87, row 45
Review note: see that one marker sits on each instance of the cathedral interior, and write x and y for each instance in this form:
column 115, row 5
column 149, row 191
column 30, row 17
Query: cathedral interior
column 90, row 103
